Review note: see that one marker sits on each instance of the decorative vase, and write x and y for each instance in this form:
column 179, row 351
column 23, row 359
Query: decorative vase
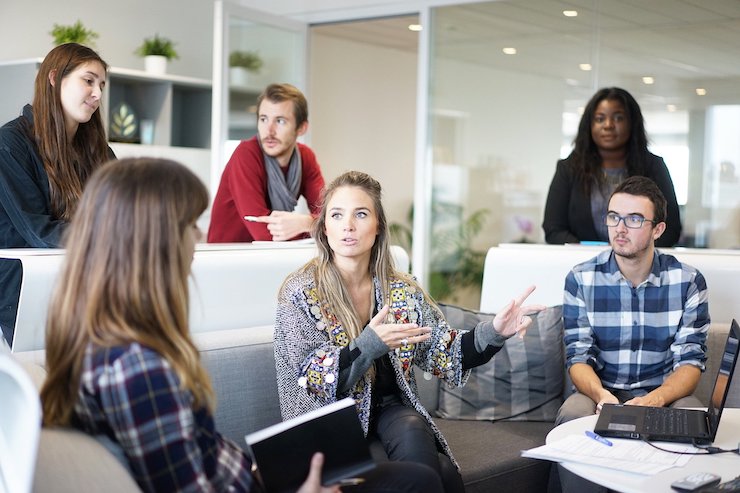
column 155, row 64
column 238, row 76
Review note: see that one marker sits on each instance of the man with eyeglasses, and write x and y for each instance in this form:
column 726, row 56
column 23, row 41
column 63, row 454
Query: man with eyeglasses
column 636, row 320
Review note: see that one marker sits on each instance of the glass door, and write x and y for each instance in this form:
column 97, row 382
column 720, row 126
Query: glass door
column 251, row 50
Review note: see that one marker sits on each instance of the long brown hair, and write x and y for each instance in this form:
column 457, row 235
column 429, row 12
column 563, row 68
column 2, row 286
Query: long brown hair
column 68, row 164
column 329, row 282
column 125, row 277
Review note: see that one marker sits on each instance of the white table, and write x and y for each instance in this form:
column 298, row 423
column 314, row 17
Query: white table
column 726, row 465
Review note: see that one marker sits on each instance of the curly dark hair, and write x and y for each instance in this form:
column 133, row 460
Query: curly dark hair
column 586, row 155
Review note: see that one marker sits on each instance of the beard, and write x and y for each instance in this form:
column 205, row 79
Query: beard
column 630, row 250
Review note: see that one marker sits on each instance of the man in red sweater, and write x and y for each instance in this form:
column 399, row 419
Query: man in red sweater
column 262, row 181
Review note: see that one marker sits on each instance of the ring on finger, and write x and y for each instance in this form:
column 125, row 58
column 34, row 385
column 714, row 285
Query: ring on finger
column 404, row 342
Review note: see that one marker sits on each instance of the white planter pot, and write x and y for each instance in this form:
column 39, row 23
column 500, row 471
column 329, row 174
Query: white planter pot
column 155, row 64
column 238, row 76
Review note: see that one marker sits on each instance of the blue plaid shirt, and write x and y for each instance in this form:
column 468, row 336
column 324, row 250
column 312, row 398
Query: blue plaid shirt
column 132, row 395
column 634, row 337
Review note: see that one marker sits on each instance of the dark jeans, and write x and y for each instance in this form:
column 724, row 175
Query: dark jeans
column 398, row 477
column 406, row 436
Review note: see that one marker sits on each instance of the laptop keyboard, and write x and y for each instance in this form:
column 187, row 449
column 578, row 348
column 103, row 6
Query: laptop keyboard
column 664, row 421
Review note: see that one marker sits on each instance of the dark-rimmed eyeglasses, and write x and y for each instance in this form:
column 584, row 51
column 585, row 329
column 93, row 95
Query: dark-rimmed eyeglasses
column 633, row 221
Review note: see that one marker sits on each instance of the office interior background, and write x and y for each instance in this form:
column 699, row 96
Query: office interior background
column 471, row 113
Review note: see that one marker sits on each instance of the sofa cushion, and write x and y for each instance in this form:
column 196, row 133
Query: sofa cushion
column 241, row 364
column 72, row 461
column 523, row 381
column 489, row 454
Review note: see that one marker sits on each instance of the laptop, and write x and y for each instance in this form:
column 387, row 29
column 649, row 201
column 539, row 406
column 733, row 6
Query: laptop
column 675, row 425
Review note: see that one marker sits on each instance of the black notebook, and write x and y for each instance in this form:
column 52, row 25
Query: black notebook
column 283, row 451
column 672, row 424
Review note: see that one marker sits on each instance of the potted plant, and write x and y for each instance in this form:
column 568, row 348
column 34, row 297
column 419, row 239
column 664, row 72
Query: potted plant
column 156, row 52
column 241, row 63
column 456, row 271
column 76, row 33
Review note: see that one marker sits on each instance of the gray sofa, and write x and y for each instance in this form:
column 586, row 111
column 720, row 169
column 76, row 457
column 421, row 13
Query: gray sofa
column 235, row 339
column 241, row 365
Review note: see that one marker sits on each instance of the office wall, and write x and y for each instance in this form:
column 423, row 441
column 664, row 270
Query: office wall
column 363, row 115
column 503, row 158
column 122, row 26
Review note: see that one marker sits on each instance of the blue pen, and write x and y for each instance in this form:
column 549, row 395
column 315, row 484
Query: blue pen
column 598, row 438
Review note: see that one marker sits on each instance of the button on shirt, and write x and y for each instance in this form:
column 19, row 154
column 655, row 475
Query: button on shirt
column 634, row 337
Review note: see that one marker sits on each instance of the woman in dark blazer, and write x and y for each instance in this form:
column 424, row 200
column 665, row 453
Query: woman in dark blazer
column 610, row 146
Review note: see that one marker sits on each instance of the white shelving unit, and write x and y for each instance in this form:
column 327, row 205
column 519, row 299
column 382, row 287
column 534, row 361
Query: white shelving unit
column 179, row 107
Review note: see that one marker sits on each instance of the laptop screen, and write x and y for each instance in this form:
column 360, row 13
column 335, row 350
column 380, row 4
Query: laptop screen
column 724, row 377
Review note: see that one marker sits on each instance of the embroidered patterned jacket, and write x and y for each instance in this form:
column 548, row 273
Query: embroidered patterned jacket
column 308, row 340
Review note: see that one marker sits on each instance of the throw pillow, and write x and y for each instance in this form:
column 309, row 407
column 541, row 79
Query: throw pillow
column 522, row 382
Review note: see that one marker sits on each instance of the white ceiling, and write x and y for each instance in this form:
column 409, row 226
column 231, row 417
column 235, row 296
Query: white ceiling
column 683, row 44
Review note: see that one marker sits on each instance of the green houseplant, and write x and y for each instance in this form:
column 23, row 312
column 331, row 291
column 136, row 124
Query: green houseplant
column 456, row 272
column 75, row 33
column 249, row 60
column 157, row 51
column 241, row 64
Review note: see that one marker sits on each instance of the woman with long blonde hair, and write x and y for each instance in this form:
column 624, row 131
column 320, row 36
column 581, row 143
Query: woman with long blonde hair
column 349, row 324
column 46, row 156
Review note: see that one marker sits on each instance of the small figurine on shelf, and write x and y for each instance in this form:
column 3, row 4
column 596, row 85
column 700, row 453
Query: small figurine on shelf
column 156, row 52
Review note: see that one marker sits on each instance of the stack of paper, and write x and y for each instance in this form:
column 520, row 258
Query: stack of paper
column 626, row 455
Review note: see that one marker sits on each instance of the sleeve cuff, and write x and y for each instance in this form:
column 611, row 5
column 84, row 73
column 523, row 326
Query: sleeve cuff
column 486, row 335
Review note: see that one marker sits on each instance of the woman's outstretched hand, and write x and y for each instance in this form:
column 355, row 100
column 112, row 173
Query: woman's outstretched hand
column 397, row 335
column 513, row 318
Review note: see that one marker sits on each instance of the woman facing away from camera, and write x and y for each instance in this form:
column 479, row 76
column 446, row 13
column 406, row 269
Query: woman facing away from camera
column 46, row 156
column 610, row 146
column 120, row 360
column 349, row 324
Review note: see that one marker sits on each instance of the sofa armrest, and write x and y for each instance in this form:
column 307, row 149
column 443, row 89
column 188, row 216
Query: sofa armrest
column 70, row 461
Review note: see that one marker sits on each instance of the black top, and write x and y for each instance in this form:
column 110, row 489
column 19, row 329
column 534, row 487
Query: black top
column 568, row 216
column 25, row 209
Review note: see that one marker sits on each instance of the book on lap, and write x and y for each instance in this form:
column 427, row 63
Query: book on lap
column 283, row 451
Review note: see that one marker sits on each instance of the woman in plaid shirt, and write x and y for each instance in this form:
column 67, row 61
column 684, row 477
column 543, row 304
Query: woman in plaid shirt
column 120, row 359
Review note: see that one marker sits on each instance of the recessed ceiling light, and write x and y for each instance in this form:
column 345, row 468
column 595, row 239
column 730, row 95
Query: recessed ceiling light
column 700, row 91
column 671, row 108
column 585, row 66
column 570, row 13
column 509, row 51
column 415, row 27
column 648, row 80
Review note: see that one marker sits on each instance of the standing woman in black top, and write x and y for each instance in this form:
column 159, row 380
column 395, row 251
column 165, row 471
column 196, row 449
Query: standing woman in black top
column 46, row 156
column 611, row 145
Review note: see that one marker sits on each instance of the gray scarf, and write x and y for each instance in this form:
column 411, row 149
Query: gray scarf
column 283, row 192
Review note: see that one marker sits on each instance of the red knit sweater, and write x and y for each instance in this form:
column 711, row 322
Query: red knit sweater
column 243, row 192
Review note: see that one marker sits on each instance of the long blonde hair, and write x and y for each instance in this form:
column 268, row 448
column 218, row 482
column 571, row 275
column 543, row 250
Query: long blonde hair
column 329, row 283
column 125, row 277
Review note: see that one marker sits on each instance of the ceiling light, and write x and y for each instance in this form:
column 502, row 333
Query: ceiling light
column 509, row 51
column 648, row 80
column 671, row 108
column 415, row 27
column 585, row 67
column 570, row 13
column 700, row 91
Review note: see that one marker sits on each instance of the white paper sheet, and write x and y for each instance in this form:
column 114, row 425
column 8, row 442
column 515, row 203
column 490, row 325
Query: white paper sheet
column 625, row 455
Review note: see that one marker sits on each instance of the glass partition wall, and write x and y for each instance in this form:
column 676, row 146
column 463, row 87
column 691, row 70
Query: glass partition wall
column 251, row 50
column 508, row 81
